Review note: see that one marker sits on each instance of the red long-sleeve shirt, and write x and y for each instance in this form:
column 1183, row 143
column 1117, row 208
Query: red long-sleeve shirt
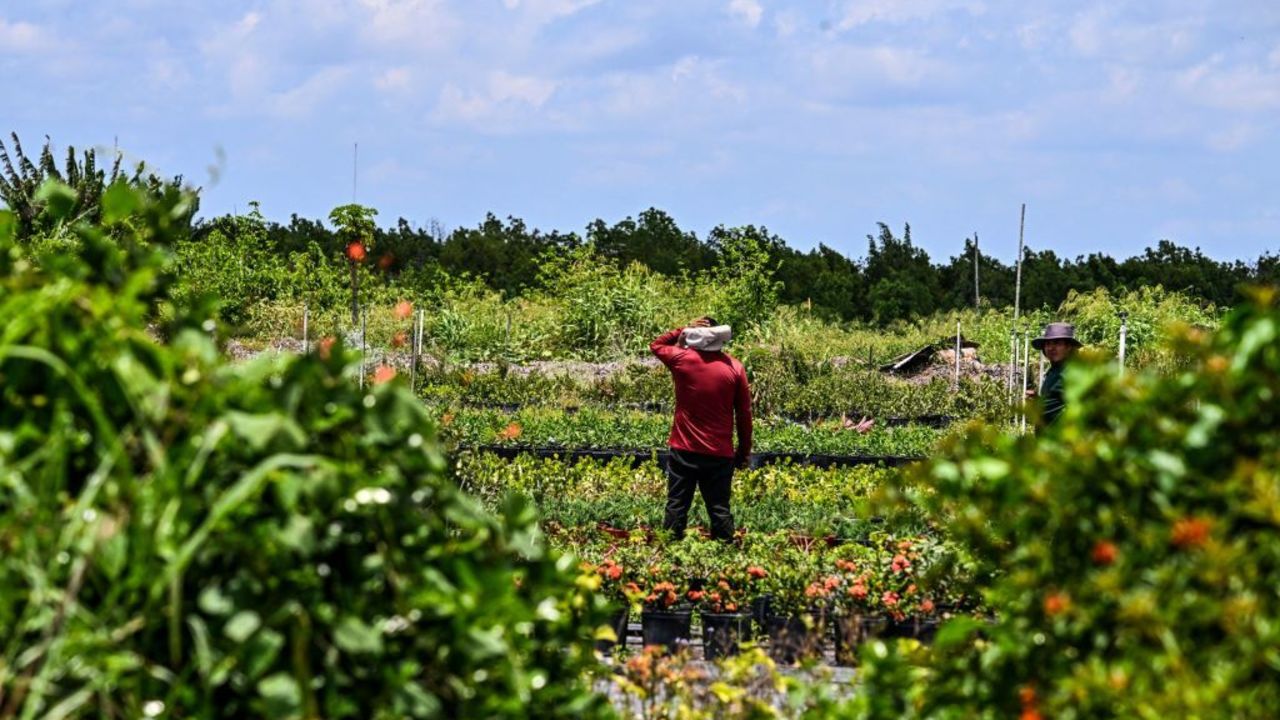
column 711, row 392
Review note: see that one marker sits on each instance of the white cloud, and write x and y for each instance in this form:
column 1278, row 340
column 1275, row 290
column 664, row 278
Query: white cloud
column 21, row 37
column 786, row 23
column 416, row 23
column 862, row 12
column 1233, row 138
column 533, row 91
column 749, row 11
column 1246, row 88
column 301, row 100
column 837, row 67
column 504, row 98
column 547, row 10
column 394, row 80
column 706, row 75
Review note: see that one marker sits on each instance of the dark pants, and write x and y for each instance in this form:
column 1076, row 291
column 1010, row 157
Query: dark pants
column 688, row 471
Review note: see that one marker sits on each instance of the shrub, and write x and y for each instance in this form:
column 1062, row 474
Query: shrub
column 263, row 540
column 1130, row 553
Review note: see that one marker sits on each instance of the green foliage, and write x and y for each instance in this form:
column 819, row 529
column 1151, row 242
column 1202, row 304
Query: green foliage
column 1129, row 554
column 256, row 540
column 47, row 199
column 743, row 278
column 606, row 309
column 776, row 498
column 1151, row 311
column 631, row 429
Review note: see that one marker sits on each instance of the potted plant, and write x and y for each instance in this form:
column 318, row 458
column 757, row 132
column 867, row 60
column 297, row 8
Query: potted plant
column 798, row 606
column 666, row 616
column 724, row 609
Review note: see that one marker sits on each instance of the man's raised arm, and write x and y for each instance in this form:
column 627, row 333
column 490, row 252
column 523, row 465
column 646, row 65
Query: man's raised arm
column 664, row 346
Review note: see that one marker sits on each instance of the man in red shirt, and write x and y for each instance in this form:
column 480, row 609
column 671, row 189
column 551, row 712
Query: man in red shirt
column 712, row 397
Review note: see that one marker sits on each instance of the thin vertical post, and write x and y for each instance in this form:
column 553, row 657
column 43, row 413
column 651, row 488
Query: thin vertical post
column 364, row 345
column 957, row 377
column 977, row 256
column 1124, row 336
column 306, row 317
column 1017, row 285
column 1026, row 362
column 1013, row 362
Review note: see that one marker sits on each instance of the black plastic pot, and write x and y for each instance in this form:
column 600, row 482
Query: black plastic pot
column 760, row 612
column 722, row 632
column 617, row 621
column 670, row 629
column 792, row 638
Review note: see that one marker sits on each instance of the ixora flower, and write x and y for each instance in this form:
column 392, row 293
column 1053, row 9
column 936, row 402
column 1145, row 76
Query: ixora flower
column 1056, row 603
column 901, row 563
column 356, row 251
column 1189, row 533
column 384, row 373
column 404, row 309
column 757, row 572
column 1104, row 552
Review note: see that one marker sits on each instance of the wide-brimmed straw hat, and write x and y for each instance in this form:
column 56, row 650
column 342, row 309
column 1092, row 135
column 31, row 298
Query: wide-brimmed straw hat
column 1057, row 331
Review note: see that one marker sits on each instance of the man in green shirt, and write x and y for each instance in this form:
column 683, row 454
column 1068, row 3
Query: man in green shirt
column 1058, row 343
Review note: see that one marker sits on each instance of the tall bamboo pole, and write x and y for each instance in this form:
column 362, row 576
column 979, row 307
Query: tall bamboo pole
column 977, row 257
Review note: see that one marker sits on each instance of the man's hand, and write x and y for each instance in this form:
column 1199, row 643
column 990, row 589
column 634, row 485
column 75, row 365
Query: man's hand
column 700, row 322
column 742, row 462
column 1032, row 394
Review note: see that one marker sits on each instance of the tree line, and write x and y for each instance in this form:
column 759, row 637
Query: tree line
column 895, row 280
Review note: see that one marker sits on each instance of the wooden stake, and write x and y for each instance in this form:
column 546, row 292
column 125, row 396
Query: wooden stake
column 1026, row 362
column 306, row 316
column 957, row 378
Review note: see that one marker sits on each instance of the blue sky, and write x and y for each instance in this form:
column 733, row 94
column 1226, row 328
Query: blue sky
column 1119, row 123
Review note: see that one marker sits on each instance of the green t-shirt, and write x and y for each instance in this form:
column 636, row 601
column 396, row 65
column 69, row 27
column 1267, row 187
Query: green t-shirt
column 1052, row 401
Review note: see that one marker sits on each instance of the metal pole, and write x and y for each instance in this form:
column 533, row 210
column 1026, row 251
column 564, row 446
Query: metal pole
column 306, row 316
column 977, row 297
column 1013, row 362
column 1017, row 286
column 957, row 379
column 1124, row 336
column 1026, row 361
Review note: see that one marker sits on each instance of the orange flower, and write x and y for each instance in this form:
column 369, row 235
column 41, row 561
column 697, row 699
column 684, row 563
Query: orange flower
column 1056, row 603
column 510, row 432
column 890, row 599
column 1104, row 552
column 756, row 572
column 384, row 262
column 900, row 563
column 926, row 606
column 446, row 419
column 356, row 251
column 400, row 339
column 326, row 347
column 858, row 591
column 383, row 374
column 1190, row 533
column 614, row 572
column 404, row 309
column 696, row 595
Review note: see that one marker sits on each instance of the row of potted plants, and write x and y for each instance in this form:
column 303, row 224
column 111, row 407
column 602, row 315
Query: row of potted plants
column 808, row 500
column 793, row 593
column 603, row 428
column 797, row 388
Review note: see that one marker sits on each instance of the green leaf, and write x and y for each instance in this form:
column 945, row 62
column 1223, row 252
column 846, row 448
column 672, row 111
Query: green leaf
column 281, row 693
column 954, row 632
column 8, row 227
column 58, row 199
column 261, row 652
column 356, row 637
column 260, row 429
column 242, row 625
column 214, row 602
column 119, row 202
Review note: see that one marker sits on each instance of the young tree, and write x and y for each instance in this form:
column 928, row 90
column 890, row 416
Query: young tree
column 356, row 229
